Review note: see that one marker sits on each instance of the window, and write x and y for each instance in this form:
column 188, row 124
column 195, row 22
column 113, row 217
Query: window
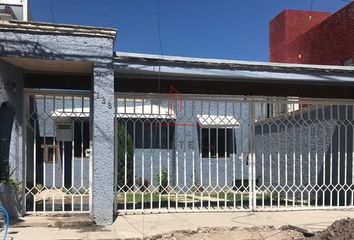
column 150, row 133
column 217, row 141
column 51, row 153
column 274, row 109
column 15, row 12
column 347, row 62
column 217, row 135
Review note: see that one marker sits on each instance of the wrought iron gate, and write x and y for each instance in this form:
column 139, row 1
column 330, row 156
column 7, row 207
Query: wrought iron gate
column 57, row 151
column 304, row 154
column 219, row 153
column 182, row 153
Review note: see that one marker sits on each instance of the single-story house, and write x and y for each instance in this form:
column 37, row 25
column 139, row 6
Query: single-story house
column 103, row 132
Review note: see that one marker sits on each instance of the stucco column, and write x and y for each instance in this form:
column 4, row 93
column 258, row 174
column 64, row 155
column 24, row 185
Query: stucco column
column 103, row 143
column 11, row 94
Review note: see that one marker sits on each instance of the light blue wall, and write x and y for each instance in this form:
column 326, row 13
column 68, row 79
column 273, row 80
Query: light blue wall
column 300, row 150
column 98, row 51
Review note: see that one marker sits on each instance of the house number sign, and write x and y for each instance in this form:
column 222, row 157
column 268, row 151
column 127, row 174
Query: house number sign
column 97, row 96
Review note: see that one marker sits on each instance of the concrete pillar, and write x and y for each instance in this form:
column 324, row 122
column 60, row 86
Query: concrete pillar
column 103, row 143
column 11, row 95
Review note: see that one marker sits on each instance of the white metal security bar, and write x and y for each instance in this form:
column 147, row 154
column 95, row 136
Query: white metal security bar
column 57, row 151
column 186, row 155
column 202, row 153
column 304, row 154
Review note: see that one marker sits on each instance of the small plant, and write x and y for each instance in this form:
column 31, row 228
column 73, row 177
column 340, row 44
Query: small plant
column 39, row 186
column 164, row 180
column 197, row 187
column 14, row 185
column 142, row 184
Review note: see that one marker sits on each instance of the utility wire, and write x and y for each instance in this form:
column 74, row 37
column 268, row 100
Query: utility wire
column 160, row 44
column 52, row 10
column 159, row 27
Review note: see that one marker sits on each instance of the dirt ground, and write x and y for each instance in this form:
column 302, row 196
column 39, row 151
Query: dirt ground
column 339, row 230
column 269, row 233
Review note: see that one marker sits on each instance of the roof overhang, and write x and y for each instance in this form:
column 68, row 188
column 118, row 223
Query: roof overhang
column 44, row 65
column 131, row 64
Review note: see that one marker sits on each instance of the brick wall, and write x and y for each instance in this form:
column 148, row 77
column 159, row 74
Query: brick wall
column 312, row 38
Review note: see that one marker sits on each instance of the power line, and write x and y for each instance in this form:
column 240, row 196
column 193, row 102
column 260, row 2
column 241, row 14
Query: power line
column 159, row 27
column 51, row 10
column 160, row 44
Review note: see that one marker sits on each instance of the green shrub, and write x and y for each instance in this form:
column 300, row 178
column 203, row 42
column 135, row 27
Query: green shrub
column 14, row 185
column 142, row 184
column 125, row 142
column 164, row 180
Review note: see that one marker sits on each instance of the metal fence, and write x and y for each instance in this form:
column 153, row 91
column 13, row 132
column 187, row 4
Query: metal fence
column 217, row 153
column 182, row 154
column 57, row 152
column 304, row 156
column 193, row 153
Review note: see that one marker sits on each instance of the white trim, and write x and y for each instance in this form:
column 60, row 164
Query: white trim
column 25, row 10
column 209, row 121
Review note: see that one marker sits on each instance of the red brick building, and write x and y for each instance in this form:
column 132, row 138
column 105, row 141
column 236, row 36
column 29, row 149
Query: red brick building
column 313, row 37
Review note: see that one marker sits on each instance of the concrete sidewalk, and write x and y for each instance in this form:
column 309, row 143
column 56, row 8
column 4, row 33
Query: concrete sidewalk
column 139, row 226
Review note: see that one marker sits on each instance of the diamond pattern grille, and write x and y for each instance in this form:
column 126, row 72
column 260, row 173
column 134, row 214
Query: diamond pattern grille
column 57, row 160
column 200, row 153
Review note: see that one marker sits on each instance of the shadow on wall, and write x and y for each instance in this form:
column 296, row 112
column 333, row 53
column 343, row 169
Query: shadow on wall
column 308, row 151
column 8, row 195
column 337, row 170
column 7, row 113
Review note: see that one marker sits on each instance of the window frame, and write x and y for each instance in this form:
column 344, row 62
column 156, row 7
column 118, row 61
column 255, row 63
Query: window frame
column 230, row 143
column 158, row 133
column 56, row 153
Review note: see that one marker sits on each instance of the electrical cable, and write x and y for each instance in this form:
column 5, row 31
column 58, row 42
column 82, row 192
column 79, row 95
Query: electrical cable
column 160, row 44
column 51, row 10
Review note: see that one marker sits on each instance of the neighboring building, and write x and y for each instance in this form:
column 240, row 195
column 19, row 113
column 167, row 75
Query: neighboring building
column 306, row 37
column 14, row 10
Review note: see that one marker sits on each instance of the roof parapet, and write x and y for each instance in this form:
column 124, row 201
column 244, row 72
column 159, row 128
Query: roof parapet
column 39, row 27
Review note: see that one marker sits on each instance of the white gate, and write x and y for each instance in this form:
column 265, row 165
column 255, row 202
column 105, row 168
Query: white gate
column 217, row 153
column 304, row 154
column 57, row 151
column 179, row 153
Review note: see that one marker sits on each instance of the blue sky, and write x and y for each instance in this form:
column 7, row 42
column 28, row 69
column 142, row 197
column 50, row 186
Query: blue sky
column 230, row 29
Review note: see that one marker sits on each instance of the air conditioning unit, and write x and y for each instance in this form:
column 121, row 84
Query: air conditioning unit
column 64, row 132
